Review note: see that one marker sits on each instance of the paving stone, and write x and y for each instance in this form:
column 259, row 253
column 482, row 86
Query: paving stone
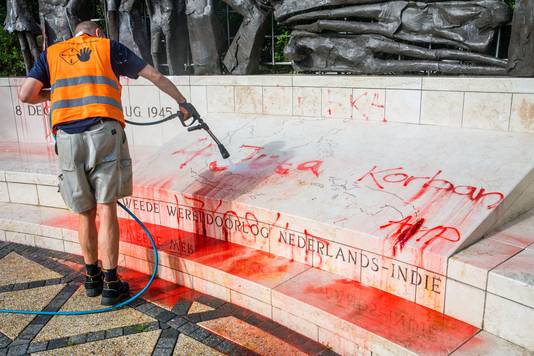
column 6, row 288
column 36, row 284
column 19, row 286
column 17, row 350
column 177, row 322
column 78, row 339
column 134, row 329
column 167, row 339
column 328, row 352
column 256, row 319
column 4, row 340
column 60, row 326
column 213, row 340
column 211, row 301
column 96, row 335
column 181, row 307
column 249, row 336
column 165, row 316
column 57, row 343
column 26, row 270
column 158, row 351
column 195, row 318
column 114, row 333
column 33, row 299
column 41, row 346
column 188, row 328
column 189, row 346
column 226, row 347
column 138, row 344
column 312, row 348
column 200, row 334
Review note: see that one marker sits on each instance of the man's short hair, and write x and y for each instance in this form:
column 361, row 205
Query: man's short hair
column 88, row 27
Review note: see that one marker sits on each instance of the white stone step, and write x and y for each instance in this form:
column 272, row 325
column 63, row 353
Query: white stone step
column 344, row 314
column 323, row 198
column 487, row 344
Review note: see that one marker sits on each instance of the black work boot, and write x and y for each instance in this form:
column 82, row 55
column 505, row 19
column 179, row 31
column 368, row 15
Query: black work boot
column 94, row 281
column 115, row 290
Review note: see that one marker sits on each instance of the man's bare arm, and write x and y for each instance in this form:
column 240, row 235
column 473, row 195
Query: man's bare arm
column 31, row 92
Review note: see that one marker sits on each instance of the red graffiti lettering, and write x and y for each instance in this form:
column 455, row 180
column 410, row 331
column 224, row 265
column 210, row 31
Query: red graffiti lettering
column 313, row 166
column 376, row 178
column 214, row 167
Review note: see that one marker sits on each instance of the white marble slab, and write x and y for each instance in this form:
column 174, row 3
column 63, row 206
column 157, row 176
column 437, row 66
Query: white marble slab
column 347, row 182
column 514, row 279
column 472, row 265
column 509, row 320
column 487, row 344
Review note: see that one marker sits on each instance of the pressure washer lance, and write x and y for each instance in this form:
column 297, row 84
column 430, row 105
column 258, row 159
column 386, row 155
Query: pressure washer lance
column 193, row 123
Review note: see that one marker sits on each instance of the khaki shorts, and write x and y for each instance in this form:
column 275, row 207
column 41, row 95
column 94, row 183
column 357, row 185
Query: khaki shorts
column 96, row 166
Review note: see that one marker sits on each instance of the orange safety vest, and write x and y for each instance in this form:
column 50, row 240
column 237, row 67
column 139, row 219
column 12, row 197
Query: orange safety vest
column 83, row 84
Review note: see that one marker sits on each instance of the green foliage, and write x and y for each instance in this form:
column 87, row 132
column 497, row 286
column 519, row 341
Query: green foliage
column 281, row 41
column 11, row 62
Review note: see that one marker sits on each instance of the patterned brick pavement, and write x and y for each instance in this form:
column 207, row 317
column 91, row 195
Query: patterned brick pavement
column 168, row 320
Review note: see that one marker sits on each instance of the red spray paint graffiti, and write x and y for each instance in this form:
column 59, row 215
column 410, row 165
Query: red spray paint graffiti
column 380, row 178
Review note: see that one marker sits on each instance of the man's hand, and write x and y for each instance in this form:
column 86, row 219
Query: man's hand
column 188, row 110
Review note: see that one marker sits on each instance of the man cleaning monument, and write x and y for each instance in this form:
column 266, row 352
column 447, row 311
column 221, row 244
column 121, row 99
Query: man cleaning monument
column 82, row 75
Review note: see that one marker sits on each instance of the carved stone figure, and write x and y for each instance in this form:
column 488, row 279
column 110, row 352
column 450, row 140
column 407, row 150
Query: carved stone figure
column 133, row 31
column 243, row 56
column 205, row 37
column 20, row 20
column 168, row 21
column 521, row 50
column 466, row 24
column 377, row 37
column 112, row 18
column 60, row 17
column 287, row 8
column 363, row 54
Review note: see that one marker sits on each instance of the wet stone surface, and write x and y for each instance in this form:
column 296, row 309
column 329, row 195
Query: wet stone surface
column 166, row 321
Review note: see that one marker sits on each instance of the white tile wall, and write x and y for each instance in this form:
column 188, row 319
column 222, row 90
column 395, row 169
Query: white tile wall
column 8, row 129
column 277, row 100
column 221, row 99
column 337, row 103
column 522, row 119
column 368, row 104
column 442, row 108
column 307, row 101
column 490, row 111
column 403, row 106
column 248, row 99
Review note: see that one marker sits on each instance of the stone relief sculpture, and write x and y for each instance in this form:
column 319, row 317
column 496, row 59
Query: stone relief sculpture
column 521, row 50
column 205, row 37
column 352, row 36
column 168, row 21
column 369, row 38
column 20, row 21
column 243, row 56
column 59, row 18
column 132, row 30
